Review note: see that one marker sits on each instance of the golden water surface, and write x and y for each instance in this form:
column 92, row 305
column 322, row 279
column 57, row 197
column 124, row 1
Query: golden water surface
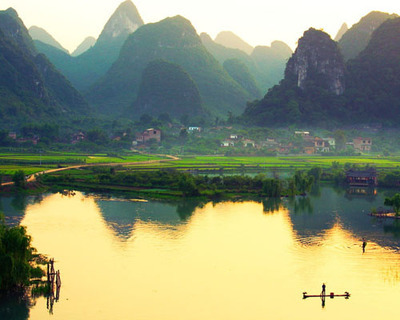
column 226, row 261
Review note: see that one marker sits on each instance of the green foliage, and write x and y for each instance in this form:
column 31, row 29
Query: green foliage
column 97, row 136
column 394, row 202
column 86, row 69
column 272, row 188
column 371, row 82
column 173, row 40
column 19, row 179
column 340, row 139
column 241, row 74
column 167, row 88
column 187, row 185
column 315, row 172
column 356, row 39
column 15, row 257
column 31, row 89
column 374, row 77
column 302, row 181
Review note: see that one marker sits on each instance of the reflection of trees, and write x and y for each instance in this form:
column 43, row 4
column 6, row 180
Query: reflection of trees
column 301, row 205
column 19, row 202
column 38, row 198
column 316, row 190
column 14, row 307
column 271, row 205
column 393, row 228
column 338, row 189
column 186, row 208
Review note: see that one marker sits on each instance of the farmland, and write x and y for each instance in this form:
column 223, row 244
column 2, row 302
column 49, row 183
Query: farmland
column 33, row 163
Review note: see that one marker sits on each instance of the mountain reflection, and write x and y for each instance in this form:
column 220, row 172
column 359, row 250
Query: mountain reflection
column 332, row 206
column 161, row 254
column 121, row 216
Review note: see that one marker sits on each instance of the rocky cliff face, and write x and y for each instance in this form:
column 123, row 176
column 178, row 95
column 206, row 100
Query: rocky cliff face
column 123, row 22
column 317, row 60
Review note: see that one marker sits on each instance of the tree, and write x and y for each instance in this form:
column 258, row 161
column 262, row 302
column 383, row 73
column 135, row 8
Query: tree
column 187, row 185
column 340, row 139
column 394, row 202
column 15, row 257
column 97, row 136
column 183, row 134
column 302, row 181
column 316, row 172
column 19, row 179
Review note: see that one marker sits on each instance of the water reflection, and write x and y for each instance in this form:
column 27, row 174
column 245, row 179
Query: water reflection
column 367, row 194
column 152, row 260
column 15, row 307
column 272, row 205
column 122, row 216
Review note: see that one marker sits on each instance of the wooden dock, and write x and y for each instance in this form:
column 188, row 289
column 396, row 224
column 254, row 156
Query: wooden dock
column 54, row 284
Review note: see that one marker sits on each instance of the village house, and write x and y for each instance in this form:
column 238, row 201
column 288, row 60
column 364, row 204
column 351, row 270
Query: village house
column 331, row 141
column 194, row 129
column 309, row 147
column 77, row 137
column 285, row 149
column 249, row 143
column 303, row 134
column 364, row 178
column 33, row 140
column 227, row 143
column 321, row 145
column 148, row 135
column 362, row 144
column 269, row 143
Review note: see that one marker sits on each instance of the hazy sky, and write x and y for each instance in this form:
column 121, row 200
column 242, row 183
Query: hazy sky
column 256, row 21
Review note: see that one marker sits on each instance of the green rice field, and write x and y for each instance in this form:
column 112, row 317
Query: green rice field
column 32, row 163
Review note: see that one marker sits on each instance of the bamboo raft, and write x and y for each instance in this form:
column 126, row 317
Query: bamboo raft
column 330, row 295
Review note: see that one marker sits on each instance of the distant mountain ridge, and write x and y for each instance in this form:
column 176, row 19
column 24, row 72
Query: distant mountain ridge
column 231, row 40
column 320, row 89
column 31, row 88
column 85, row 69
column 343, row 29
column 270, row 63
column 311, row 89
column 176, row 41
column 374, row 77
column 266, row 64
column 42, row 35
column 84, row 46
column 357, row 37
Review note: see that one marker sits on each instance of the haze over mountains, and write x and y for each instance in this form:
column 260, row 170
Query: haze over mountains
column 84, row 46
column 166, row 67
column 85, row 69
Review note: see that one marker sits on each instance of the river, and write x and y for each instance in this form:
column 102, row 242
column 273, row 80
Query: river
column 129, row 259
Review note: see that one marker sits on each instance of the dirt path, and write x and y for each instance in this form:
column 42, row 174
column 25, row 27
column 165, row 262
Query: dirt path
column 32, row 177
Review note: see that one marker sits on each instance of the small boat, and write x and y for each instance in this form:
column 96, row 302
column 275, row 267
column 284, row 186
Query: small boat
column 330, row 295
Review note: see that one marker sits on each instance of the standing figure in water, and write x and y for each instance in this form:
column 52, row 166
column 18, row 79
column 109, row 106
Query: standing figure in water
column 364, row 244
